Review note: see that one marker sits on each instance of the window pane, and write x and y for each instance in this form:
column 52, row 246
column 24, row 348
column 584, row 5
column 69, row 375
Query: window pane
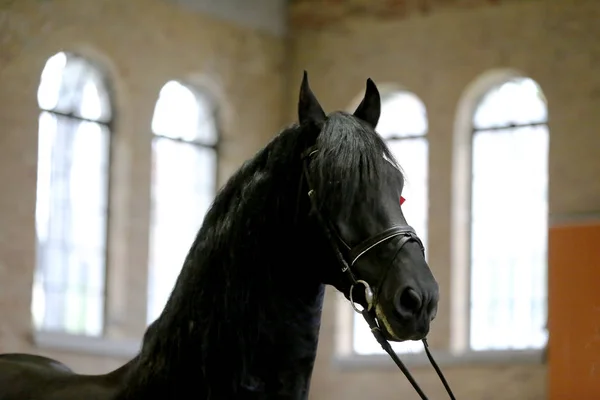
column 72, row 191
column 402, row 114
column 181, row 113
column 184, row 181
column 509, row 235
column 403, row 117
column 72, row 85
column 517, row 102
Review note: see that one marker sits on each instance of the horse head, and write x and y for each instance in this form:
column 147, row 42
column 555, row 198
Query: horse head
column 355, row 193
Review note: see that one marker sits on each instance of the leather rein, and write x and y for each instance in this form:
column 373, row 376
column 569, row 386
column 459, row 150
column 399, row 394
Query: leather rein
column 405, row 234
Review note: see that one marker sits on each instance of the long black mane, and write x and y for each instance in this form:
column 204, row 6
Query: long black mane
column 253, row 278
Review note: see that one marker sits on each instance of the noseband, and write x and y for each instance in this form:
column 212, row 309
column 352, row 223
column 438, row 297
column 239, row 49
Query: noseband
column 353, row 254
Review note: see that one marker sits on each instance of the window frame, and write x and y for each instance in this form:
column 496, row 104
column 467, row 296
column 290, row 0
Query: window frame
column 42, row 336
column 533, row 352
column 216, row 147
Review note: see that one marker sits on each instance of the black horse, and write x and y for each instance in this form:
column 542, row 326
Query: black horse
column 320, row 204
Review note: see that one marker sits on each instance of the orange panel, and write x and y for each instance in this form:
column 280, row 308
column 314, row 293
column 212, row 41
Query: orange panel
column 574, row 312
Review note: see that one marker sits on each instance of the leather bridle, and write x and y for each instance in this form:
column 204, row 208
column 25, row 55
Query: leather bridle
column 405, row 233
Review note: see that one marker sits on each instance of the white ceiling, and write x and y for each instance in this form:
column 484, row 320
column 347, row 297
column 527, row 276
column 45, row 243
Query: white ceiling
column 266, row 15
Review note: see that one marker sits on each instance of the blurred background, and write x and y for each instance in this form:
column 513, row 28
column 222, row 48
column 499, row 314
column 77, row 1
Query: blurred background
column 490, row 106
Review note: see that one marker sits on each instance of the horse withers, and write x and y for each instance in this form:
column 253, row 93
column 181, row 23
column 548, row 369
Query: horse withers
column 320, row 204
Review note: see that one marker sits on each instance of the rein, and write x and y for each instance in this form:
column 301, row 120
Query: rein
column 407, row 234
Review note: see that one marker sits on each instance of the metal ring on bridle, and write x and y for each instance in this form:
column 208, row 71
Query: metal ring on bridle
column 368, row 296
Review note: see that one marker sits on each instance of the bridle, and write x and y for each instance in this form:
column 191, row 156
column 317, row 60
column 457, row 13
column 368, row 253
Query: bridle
column 353, row 254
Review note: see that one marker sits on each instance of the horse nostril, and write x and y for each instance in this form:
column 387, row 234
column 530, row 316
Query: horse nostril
column 410, row 301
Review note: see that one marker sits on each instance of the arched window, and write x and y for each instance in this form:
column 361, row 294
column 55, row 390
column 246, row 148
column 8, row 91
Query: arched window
column 72, row 197
column 403, row 125
column 509, row 212
column 183, row 183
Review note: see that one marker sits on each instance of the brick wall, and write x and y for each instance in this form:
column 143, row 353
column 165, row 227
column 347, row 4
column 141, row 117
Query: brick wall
column 317, row 14
column 440, row 55
column 435, row 48
column 143, row 44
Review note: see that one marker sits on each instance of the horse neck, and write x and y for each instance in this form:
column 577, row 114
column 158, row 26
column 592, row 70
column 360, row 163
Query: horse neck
column 244, row 317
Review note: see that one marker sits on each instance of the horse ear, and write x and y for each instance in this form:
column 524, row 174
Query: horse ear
column 369, row 108
column 309, row 109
